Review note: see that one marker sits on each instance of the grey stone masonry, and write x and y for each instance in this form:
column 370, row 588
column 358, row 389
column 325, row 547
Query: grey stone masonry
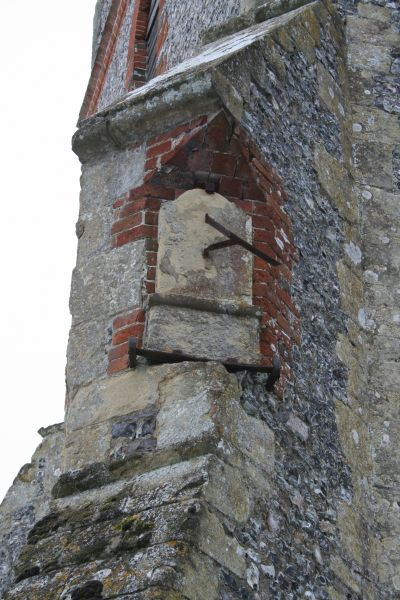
column 182, row 481
column 373, row 35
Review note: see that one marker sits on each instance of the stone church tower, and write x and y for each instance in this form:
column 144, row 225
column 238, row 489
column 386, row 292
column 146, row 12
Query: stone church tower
column 232, row 414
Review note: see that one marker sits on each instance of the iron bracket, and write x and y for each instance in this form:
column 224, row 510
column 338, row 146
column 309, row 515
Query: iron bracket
column 157, row 357
column 234, row 240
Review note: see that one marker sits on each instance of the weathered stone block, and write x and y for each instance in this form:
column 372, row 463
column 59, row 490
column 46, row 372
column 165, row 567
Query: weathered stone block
column 351, row 289
column 183, row 235
column 186, row 400
column 369, row 57
column 119, row 395
column 330, row 93
column 354, row 438
column 28, row 500
column 373, row 162
column 214, row 542
column 109, row 176
column 84, row 446
column 108, row 283
column 203, row 334
column 353, row 357
column 350, row 578
column 371, row 31
column 103, row 181
column 336, row 182
column 350, row 526
column 86, row 354
column 374, row 12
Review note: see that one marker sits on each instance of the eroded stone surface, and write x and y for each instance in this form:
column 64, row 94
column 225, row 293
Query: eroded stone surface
column 107, row 283
column 183, row 235
column 203, row 334
column 28, row 500
column 329, row 525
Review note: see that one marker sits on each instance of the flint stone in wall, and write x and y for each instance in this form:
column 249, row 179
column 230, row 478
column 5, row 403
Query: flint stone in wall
column 115, row 86
column 183, row 235
column 107, row 283
column 197, row 15
column 100, row 17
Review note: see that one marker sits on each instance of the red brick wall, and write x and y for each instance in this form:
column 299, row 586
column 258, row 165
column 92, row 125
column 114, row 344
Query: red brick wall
column 217, row 148
column 137, row 54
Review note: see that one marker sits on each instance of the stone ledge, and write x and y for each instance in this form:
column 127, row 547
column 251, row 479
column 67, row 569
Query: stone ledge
column 45, row 432
column 179, row 95
column 213, row 306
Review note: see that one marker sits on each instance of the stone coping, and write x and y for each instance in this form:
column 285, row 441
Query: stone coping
column 191, row 88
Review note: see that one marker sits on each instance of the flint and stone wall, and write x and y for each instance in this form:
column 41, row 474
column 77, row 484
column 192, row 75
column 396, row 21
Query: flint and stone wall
column 183, row 481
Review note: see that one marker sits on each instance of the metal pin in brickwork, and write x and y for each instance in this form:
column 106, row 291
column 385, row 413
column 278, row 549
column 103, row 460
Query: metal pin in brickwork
column 158, row 357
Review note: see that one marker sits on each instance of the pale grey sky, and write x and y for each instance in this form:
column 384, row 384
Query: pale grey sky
column 45, row 58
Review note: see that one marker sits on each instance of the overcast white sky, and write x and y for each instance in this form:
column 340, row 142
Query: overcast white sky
column 45, row 52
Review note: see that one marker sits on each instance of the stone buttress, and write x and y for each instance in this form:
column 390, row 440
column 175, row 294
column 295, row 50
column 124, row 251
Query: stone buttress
column 193, row 479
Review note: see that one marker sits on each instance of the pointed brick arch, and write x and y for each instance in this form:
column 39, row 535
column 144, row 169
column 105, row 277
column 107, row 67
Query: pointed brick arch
column 186, row 157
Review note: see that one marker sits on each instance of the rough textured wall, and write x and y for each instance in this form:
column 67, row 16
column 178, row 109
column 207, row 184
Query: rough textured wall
column 293, row 87
column 105, row 280
column 187, row 482
column 197, row 15
column 99, row 21
column 183, row 25
column 373, row 35
column 28, row 500
column 283, row 539
column 114, row 85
